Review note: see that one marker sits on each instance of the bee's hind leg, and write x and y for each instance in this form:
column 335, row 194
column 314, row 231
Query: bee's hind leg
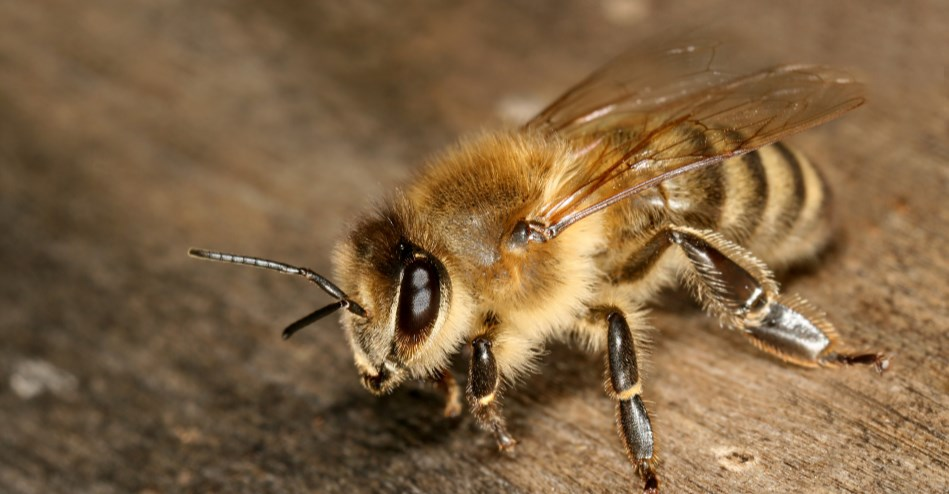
column 738, row 288
column 625, row 387
column 484, row 382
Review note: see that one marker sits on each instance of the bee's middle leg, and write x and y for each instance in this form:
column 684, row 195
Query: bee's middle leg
column 484, row 382
column 625, row 387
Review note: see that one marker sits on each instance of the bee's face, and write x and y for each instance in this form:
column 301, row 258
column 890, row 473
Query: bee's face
column 405, row 291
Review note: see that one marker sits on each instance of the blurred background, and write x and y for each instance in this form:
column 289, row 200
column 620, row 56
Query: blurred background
column 130, row 131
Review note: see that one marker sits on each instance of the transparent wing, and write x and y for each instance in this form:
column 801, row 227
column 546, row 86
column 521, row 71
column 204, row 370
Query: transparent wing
column 644, row 77
column 631, row 138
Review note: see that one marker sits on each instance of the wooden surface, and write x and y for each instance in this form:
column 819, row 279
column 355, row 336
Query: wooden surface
column 130, row 131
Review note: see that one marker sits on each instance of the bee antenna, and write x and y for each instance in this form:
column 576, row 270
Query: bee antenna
column 327, row 286
column 312, row 318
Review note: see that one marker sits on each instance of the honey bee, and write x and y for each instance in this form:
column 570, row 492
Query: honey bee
column 660, row 168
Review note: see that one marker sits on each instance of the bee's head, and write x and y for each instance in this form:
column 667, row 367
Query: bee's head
column 397, row 295
column 406, row 291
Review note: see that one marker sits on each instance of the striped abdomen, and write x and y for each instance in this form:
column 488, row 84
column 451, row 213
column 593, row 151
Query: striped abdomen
column 795, row 222
column 771, row 201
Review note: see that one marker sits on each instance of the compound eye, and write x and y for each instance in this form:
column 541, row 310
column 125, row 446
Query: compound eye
column 419, row 298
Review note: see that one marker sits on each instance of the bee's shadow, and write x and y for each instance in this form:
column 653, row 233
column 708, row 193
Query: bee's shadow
column 411, row 418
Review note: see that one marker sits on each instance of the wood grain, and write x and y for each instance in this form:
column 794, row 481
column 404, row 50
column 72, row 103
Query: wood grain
column 130, row 131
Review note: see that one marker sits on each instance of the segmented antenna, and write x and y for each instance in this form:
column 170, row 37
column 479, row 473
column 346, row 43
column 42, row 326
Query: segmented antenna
column 344, row 302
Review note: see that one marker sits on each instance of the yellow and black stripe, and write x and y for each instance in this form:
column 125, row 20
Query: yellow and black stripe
column 772, row 201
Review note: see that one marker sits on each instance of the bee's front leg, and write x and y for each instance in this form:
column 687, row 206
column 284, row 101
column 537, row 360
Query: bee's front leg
column 625, row 388
column 446, row 383
column 738, row 288
column 484, row 382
